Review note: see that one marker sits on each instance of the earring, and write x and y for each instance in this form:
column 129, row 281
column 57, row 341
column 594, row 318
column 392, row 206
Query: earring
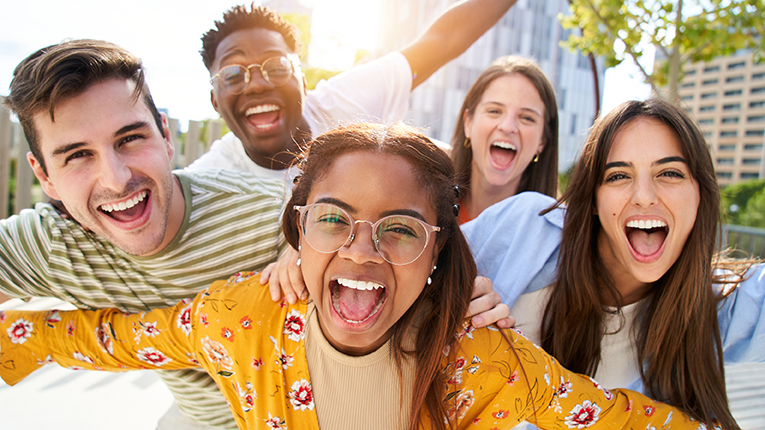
column 299, row 259
column 430, row 281
column 536, row 158
column 466, row 144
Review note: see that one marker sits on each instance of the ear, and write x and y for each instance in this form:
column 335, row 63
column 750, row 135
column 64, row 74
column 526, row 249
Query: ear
column 467, row 121
column 45, row 182
column 168, row 137
column 214, row 101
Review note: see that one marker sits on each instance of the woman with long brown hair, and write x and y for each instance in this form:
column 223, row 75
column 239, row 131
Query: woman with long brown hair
column 635, row 297
column 505, row 140
column 390, row 277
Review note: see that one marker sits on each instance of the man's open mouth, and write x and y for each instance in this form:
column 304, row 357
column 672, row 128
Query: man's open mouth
column 264, row 117
column 128, row 209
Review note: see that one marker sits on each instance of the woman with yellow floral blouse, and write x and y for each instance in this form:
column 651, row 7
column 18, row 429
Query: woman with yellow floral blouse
column 382, row 342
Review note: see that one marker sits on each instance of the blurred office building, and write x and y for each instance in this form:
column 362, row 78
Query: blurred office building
column 530, row 29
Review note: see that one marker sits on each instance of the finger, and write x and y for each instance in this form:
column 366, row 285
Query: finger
column 499, row 312
column 296, row 282
column 482, row 287
column 508, row 322
column 484, row 303
column 266, row 273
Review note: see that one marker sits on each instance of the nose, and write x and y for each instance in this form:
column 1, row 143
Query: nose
column 508, row 124
column 360, row 249
column 644, row 194
column 257, row 82
column 114, row 173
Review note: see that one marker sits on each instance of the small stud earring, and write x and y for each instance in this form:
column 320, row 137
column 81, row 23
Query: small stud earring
column 430, row 281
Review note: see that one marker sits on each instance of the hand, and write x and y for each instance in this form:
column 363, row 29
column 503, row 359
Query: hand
column 285, row 277
column 486, row 307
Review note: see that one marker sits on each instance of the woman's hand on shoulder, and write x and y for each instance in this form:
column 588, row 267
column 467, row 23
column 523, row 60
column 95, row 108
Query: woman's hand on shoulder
column 284, row 278
column 486, row 307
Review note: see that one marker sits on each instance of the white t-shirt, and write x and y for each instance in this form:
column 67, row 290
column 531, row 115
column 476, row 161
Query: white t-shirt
column 376, row 91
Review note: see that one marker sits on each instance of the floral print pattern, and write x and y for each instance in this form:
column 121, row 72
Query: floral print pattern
column 255, row 351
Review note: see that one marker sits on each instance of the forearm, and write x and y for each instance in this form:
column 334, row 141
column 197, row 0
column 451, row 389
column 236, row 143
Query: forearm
column 94, row 340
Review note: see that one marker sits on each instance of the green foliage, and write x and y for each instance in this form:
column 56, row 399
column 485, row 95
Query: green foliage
column 682, row 31
column 314, row 74
column 749, row 198
column 303, row 23
column 563, row 179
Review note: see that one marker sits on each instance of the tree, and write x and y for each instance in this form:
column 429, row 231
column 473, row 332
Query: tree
column 682, row 31
column 744, row 203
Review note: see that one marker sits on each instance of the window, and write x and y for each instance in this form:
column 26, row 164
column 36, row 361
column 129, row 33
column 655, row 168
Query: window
column 732, row 106
column 709, row 95
column 756, row 118
column 757, row 104
column 753, row 147
column 690, row 72
column 733, row 93
column 730, row 120
column 724, row 175
column 707, row 135
column 688, row 98
column 758, row 90
column 709, row 108
column 749, row 175
column 710, row 82
column 728, row 133
column 739, row 78
column 729, row 147
column 724, row 161
column 736, row 65
column 758, row 76
column 711, row 69
column 755, row 132
column 688, row 85
column 707, row 121
column 751, row 161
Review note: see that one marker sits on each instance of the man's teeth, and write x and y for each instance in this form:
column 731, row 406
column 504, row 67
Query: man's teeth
column 121, row 206
column 505, row 145
column 261, row 109
column 358, row 285
column 646, row 225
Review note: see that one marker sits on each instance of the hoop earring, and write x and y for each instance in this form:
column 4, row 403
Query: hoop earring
column 466, row 144
column 300, row 247
column 536, row 158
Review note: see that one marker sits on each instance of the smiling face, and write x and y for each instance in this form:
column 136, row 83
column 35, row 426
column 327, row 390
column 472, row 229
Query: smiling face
column 263, row 117
column 506, row 132
column 647, row 203
column 110, row 166
column 368, row 186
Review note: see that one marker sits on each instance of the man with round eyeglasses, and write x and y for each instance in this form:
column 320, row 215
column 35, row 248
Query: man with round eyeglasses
column 258, row 87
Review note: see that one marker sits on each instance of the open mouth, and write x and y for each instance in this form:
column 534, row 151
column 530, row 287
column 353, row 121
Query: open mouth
column 264, row 117
column 646, row 237
column 502, row 153
column 126, row 210
column 357, row 301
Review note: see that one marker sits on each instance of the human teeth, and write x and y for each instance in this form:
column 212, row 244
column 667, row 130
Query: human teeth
column 505, row 145
column 261, row 109
column 358, row 285
column 127, row 204
column 646, row 224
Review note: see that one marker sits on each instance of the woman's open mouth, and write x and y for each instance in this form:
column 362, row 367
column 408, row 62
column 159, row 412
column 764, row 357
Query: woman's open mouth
column 357, row 301
column 646, row 237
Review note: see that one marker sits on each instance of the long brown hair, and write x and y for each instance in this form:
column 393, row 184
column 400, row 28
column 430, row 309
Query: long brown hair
column 678, row 336
column 445, row 301
column 541, row 176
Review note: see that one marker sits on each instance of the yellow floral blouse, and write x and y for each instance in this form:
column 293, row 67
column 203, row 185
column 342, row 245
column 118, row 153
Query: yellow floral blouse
column 254, row 349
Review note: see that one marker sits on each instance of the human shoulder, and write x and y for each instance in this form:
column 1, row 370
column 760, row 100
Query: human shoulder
column 220, row 181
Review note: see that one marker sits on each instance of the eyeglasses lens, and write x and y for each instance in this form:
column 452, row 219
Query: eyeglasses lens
column 276, row 71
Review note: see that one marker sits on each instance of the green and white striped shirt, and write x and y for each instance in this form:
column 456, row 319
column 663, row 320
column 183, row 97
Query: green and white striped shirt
column 231, row 224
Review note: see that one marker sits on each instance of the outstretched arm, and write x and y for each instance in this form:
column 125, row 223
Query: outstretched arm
column 451, row 34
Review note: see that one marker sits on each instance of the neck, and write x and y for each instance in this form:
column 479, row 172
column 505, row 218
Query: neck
column 175, row 215
column 482, row 194
column 630, row 289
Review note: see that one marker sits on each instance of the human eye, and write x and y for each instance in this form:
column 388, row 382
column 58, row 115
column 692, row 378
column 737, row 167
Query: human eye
column 232, row 74
column 615, row 177
column 400, row 226
column 672, row 173
column 76, row 155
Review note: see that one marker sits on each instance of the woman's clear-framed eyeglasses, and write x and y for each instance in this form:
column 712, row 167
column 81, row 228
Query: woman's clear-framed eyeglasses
column 277, row 71
column 399, row 239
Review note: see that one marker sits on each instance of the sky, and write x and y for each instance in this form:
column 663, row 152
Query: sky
column 166, row 35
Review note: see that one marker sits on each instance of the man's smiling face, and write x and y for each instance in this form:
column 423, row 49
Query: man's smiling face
column 263, row 117
column 110, row 165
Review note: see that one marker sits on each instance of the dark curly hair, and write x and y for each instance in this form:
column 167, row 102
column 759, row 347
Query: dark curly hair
column 239, row 18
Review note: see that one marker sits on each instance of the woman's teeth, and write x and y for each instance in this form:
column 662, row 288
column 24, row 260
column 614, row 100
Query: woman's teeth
column 358, row 285
column 646, row 224
column 505, row 145
column 121, row 206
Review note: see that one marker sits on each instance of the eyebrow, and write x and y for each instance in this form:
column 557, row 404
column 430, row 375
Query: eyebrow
column 269, row 54
column 76, row 145
column 349, row 208
column 523, row 108
column 658, row 162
